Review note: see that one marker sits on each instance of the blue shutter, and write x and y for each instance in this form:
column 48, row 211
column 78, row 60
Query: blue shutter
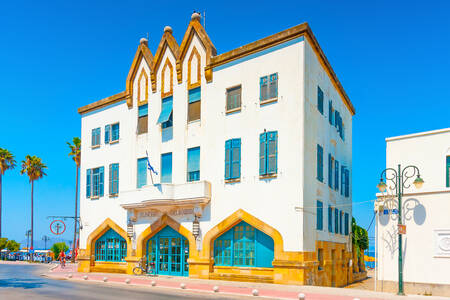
column 228, row 159
column 342, row 180
column 166, row 110
column 102, row 171
column 93, row 132
column 116, row 179
column 236, row 158
column 330, row 112
column 347, row 183
column 141, row 172
column 319, row 218
column 340, row 222
column 336, row 118
column 336, row 220
column 330, row 219
column 448, row 171
column 273, row 86
column 143, row 110
column 88, row 183
column 320, row 100
column 107, row 133
column 263, row 86
column 97, row 137
column 336, row 175
column 319, row 163
column 272, row 153
column 115, row 132
column 111, row 179
column 166, row 168
column 346, row 223
column 262, row 154
column 195, row 95
column 330, row 171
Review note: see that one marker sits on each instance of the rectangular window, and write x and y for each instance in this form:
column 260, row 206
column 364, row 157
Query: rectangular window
column 166, row 168
column 194, row 106
column 336, row 220
column 346, row 223
column 341, row 215
column 193, row 164
column 113, row 179
column 319, row 163
column 319, row 215
column 233, row 159
column 94, row 182
column 330, row 112
column 141, row 172
column 95, row 142
column 336, row 175
column 111, row 133
column 268, row 153
column 320, row 100
column 320, row 258
column 165, row 117
column 268, row 87
column 234, row 98
column 347, row 182
column 330, row 219
column 142, row 119
column 330, row 170
column 448, row 171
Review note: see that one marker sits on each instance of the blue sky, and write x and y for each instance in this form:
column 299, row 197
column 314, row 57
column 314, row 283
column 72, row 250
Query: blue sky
column 55, row 56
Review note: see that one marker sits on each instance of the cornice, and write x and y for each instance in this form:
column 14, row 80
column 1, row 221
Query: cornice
column 104, row 102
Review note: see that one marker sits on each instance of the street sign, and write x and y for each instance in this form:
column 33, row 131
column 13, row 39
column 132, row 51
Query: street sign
column 401, row 229
column 57, row 227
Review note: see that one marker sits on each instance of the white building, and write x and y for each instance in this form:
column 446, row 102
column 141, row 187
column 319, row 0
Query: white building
column 254, row 143
column 426, row 213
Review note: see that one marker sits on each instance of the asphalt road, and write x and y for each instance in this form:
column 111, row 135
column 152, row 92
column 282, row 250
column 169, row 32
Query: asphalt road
column 25, row 282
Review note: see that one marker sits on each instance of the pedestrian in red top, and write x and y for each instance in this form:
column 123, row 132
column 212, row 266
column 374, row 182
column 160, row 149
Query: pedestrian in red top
column 62, row 259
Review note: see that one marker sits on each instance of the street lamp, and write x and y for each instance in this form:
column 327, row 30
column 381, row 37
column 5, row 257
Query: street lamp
column 399, row 181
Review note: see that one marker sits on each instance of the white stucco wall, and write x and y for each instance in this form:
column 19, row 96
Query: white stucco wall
column 426, row 211
column 274, row 201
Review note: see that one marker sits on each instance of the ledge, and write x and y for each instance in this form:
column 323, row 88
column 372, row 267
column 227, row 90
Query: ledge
column 234, row 110
column 267, row 101
column 268, row 176
column 235, row 180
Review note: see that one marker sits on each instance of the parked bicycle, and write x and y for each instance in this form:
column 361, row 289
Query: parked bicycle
column 144, row 268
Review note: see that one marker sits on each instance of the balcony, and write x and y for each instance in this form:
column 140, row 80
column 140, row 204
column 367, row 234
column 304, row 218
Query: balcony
column 165, row 197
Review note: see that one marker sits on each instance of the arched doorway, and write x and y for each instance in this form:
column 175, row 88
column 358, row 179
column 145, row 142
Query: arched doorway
column 169, row 251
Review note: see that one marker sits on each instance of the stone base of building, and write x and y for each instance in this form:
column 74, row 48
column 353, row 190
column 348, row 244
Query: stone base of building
column 289, row 267
column 415, row 288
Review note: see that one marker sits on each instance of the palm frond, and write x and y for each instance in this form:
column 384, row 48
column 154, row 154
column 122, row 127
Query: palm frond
column 7, row 161
column 33, row 167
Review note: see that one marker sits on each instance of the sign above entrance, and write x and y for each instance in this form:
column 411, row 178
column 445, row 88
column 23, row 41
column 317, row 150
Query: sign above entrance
column 172, row 212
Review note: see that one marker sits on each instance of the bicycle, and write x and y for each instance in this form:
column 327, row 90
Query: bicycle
column 144, row 268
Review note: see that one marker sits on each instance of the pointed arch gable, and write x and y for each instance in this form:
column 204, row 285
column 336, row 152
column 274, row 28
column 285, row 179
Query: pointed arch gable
column 196, row 54
column 167, row 68
column 233, row 219
column 167, row 41
column 101, row 230
column 195, row 28
column 141, row 53
column 142, row 99
column 157, row 226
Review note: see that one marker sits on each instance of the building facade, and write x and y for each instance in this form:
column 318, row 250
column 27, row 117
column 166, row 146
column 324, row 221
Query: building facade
column 252, row 157
column 426, row 244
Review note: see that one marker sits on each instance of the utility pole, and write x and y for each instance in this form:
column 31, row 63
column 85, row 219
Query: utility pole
column 45, row 239
column 28, row 234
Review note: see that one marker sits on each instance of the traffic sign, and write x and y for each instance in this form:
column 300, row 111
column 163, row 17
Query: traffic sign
column 57, row 227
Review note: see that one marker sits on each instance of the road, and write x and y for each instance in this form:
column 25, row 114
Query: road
column 25, row 282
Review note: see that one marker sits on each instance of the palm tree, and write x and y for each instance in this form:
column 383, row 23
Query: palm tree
column 34, row 168
column 7, row 162
column 75, row 153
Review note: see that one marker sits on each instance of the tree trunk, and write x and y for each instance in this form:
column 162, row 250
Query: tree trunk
column 32, row 230
column 0, row 205
column 74, row 244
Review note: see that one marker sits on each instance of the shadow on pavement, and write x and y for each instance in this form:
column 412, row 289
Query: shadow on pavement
column 25, row 283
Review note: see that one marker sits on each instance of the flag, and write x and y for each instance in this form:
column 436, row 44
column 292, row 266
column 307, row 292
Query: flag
column 149, row 166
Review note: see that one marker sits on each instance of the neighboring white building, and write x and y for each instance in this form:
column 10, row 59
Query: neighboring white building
column 255, row 144
column 426, row 213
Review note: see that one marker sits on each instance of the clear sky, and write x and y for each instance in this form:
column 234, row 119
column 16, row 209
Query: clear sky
column 392, row 58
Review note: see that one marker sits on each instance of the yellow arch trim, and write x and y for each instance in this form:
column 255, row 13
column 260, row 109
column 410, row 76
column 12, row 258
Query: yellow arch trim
column 101, row 230
column 235, row 218
column 142, row 99
column 159, row 224
column 167, row 68
column 195, row 53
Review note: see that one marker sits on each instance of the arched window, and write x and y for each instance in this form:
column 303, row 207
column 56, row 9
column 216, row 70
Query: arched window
column 245, row 246
column 110, row 247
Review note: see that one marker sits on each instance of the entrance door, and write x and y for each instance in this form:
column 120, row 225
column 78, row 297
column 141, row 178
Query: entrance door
column 333, row 268
column 169, row 250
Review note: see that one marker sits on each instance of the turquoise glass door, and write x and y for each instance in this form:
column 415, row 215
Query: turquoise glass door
column 169, row 251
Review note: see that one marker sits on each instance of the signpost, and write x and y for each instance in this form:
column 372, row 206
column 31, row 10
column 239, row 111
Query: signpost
column 56, row 226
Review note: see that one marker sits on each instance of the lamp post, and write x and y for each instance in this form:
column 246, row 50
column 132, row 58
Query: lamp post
column 399, row 181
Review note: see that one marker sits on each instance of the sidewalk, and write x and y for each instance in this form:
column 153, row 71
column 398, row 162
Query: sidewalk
column 229, row 288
